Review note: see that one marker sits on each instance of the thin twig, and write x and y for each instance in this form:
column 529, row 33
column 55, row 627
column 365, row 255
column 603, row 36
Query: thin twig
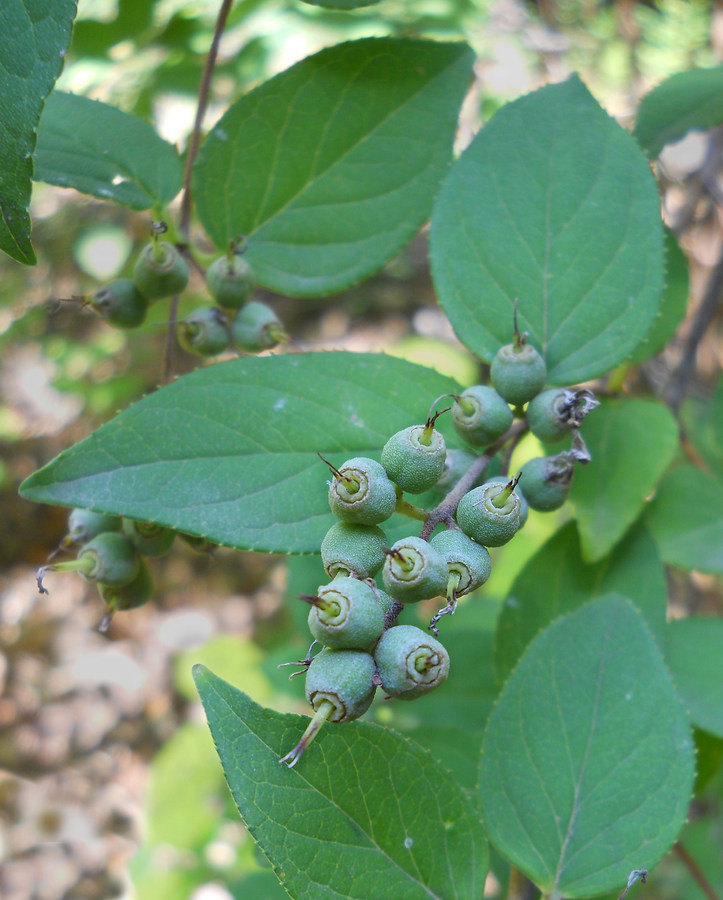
column 704, row 315
column 194, row 142
column 445, row 510
column 696, row 872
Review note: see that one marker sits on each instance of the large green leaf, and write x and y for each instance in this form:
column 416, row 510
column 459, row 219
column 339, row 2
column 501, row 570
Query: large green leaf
column 632, row 443
column 230, row 451
column 587, row 764
column 686, row 521
column 702, row 420
column 557, row 580
column 330, row 168
column 36, row 34
column 365, row 815
column 683, row 102
column 694, row 653
column 553, row 205
column 673, row 301
column 100, row 150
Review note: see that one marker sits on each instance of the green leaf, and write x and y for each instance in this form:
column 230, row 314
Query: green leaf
column 673, row 301
column 100, row 150
column 685, row 519
column 230, row 451
column 330, row 168
column 587, row 764
column 633, row 569
column 36, row 34
column 632, row 443
column 365, row 814
column 694, row 653
column 554, row 205
column 703, row 424
column 683, row 102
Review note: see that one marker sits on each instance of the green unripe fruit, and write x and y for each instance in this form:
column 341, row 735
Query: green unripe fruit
column 148, row 538
column 482, row 519
column 545, row 481
column 230, row 281
column 257, row 328
column 518, row 372
column 109, row 558
column 465, row 558
column 362, row 493
column 120, row 303
column 129, row 596
column 205, row 332
column 524, row 506
column 414, row 458
column 346, row 615
column 160, row 271
column 547, row 415
column 414, row 571
column 84, row 525
column 410, row 662
column 480, row 415
column 356, row 550
column 345, row 678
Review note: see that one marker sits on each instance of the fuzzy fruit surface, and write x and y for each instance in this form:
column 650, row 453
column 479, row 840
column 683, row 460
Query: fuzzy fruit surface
column 351, row 618
column 115, row 560
column 84, row 525
column 372, row 502
column 120, row 303
column 148, row 538
column 157, row 278
column 129, row 596
column 353, row 549
column 257, row 328
column 502, row 480
column 344, row 677
column 410, row 462
column 205, row 332
column 230, row 281
column 410, row 662
column 545, row 415
column 518, row 373
column 414, row 571
column 545, row 482
column 465, row 557
column 481, row 415
column 484, row 522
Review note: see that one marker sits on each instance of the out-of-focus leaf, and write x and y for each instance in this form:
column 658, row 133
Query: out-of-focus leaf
column 694, row 654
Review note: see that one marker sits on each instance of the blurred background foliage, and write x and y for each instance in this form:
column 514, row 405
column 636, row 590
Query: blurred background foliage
column 166, row 826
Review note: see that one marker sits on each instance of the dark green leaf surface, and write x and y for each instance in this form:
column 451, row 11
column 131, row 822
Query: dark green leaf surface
column 684, row 101
column 365, row 814
column 694, row 654
column 686, row 521
column 330, row 168
column 35, row 36
column 587, row 764
column 702, row 421
column 673, row 301
column 552, row 204
column 632, row 443
column 230, row 451
column 100, row 150
column 557, row 580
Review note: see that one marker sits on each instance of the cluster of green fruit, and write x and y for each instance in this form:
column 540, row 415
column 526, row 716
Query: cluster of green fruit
column 354, row 619
column 162, row 271
column 113, row 553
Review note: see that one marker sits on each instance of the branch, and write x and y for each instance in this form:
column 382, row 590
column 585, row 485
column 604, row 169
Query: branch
column 194, row 143
column 695, row 871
